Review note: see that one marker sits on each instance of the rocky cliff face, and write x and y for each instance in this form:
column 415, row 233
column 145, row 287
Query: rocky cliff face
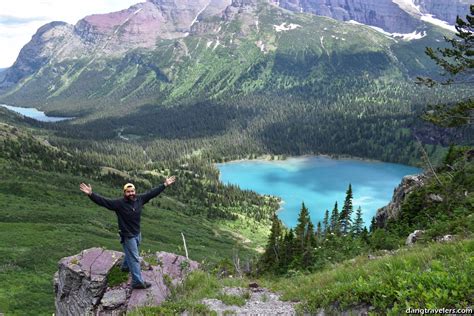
column 392, row 210
column 38, row 51
column 81, row 284
column 444, row 10
column 381, row 13
column 395, row 16
column 111, row 34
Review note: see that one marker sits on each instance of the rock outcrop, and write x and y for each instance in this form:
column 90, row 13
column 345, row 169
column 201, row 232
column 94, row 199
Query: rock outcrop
column 395, row 16
column 81, row 283
column 414, row 237
column 381, row 13
column 392, row 210
column 444, row 10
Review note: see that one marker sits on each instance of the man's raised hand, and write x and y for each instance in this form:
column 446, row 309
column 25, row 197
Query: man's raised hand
column 87, row 189
column 169, row 181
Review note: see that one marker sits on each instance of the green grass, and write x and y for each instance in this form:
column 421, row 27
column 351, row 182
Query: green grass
column 427, row 276
column 230, row 300
column 116, row 277
column 45, row 217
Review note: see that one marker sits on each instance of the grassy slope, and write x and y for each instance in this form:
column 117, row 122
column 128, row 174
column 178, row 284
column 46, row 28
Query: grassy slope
column 45, row 217
column 427, row 276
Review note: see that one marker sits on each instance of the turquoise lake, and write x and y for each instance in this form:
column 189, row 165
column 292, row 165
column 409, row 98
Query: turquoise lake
column 35, row 114
column 319, row 182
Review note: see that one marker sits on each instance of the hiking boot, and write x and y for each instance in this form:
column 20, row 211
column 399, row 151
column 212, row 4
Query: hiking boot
column 141, row 286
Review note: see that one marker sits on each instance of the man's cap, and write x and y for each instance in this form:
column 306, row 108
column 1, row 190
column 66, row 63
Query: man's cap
column 128, row 186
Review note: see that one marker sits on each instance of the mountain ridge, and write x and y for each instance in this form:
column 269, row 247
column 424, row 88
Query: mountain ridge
column 256, row 38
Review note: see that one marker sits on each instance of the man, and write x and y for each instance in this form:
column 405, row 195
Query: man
column 129, row 210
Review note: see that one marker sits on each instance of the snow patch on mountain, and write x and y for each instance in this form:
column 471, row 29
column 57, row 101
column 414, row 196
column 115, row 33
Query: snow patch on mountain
column 408, row 6
column 430, row 19
column 410, row 36
column 199, row 13
column 404, row 36
column 415, row 10
column 286, row 27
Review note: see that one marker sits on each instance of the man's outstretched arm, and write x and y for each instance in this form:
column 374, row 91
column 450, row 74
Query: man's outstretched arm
column 156, row 191
column 99, row 200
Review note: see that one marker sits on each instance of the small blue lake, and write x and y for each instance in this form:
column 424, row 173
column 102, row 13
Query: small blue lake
column 35, row 114
column 319, row 182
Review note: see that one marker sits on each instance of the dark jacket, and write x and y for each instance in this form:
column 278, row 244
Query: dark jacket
column 128, row 211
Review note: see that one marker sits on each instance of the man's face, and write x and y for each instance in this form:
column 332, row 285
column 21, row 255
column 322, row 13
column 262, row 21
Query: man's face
column 129, row 194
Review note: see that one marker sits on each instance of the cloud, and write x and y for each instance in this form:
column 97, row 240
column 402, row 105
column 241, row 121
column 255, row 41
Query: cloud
column 13, row 20
column 20, row 19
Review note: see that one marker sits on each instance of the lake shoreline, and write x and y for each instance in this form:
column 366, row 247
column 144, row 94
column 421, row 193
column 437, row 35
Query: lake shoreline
column 318, row 181
column 268, row 158
column 35, row 114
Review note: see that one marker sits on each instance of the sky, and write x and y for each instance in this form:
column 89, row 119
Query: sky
column 19, row 19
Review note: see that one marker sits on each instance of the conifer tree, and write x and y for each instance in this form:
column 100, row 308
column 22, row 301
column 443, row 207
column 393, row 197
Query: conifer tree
column 310, row 243
column 372, row 225
column 271, row 257
column 305, row 240
column 334, row 222
column 346, row 212
column 326, row 228
column 365, row 235
column 319, row 233
column 302, row 228
column 288, row 249
column 358, row 226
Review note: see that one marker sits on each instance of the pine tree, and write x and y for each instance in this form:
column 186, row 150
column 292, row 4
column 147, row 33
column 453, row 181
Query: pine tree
column 346, row 212
column 288, row 250
column 310, row 243
column 326, row 228
column 271, row 257
column 358, row 226
column 319, row 233
column 365, row 235
column 334, row 222
column 301, row 228
column 304, row 240
column 373, row 225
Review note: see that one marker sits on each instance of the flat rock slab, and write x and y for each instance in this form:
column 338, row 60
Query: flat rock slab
column 174, row 265
column 114, row 298
column 152, row 296
column 170, row 266
column 94, row 263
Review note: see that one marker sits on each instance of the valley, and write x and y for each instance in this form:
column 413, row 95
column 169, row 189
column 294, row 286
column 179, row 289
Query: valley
column 175, row 87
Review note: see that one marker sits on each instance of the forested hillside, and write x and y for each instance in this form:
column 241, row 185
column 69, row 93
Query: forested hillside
column 45, row 217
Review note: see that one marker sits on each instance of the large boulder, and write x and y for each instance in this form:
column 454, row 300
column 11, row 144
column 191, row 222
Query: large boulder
column 81, row 285
column 414, row 237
